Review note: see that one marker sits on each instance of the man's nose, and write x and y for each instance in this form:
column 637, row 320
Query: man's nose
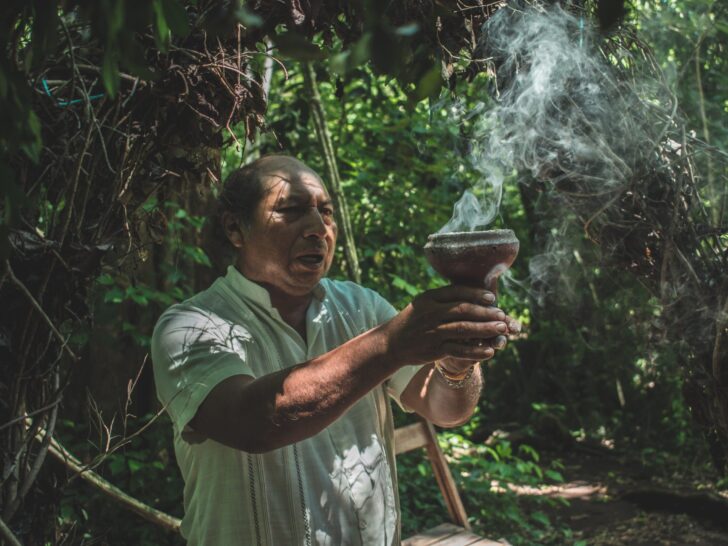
column 315, row 224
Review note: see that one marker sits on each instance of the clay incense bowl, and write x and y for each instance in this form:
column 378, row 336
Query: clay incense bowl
column 473, row 258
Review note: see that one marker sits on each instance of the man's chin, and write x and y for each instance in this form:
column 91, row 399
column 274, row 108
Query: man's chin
column 305, row 280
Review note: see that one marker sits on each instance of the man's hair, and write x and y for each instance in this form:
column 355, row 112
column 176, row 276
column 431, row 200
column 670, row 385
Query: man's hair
column 241, row 193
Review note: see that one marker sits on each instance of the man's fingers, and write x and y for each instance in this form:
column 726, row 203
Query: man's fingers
column 498, row 342
column 467, row 311
column 455, row 293
column 466, row 351
column 514, row 327
column 472, row 330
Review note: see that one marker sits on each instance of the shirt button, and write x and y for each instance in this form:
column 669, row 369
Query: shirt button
column 362, row 525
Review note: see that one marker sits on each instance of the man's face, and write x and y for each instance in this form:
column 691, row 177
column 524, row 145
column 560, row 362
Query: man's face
column 290, row 244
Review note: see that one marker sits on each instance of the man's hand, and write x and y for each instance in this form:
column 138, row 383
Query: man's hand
column 457, row 326
column 458, row 322
column 498, row 343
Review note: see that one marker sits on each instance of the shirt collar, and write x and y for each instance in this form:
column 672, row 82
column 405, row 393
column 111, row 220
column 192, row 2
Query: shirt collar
column 255, row 292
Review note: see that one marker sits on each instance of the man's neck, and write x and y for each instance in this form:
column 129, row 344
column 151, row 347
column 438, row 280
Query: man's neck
column 292, row 309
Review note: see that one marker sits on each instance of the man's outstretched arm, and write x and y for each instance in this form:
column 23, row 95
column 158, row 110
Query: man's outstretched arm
column 287, row 406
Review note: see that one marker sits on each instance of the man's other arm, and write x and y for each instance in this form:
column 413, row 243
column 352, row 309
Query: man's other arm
column 438, row 400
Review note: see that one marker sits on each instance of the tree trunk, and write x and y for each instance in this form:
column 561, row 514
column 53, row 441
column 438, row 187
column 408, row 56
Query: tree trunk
column 332, row 172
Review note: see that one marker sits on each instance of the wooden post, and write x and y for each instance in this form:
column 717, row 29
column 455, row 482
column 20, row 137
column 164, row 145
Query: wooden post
column 422, row 434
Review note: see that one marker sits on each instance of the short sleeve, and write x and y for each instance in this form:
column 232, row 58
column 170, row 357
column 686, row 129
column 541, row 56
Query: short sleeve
column 397, row 383
column 192, row 351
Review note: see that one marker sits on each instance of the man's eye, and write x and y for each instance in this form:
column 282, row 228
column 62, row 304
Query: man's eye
column 327, row 211
column 292, row 210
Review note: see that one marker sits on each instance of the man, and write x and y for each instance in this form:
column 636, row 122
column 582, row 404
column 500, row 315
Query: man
column 276, row 378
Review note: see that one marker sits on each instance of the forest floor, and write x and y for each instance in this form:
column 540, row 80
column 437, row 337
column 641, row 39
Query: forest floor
column 612, row 501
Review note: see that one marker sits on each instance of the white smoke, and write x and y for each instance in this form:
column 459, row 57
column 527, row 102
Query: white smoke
column 559, row 114
column 470, row 213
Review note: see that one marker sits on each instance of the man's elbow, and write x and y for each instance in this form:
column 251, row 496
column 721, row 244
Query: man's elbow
column 258, row 444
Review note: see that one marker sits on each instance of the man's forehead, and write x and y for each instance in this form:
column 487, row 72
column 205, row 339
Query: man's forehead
column 286, row 185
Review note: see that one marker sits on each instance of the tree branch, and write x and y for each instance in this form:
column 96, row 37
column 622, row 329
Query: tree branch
column 720, row 329
column 337, row 193
column 17, row 282
column 150, row 514
column 41, row 455
column 8, row 535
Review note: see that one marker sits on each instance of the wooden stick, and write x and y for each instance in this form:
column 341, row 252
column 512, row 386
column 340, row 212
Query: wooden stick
column 720, row 328
column 150, row 514
column 8, row 535
column 17, row 282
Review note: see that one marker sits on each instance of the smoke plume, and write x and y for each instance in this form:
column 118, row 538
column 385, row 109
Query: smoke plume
column 559, row 113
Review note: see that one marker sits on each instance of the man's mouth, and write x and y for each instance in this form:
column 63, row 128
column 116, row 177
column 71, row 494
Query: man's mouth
column 312, row 260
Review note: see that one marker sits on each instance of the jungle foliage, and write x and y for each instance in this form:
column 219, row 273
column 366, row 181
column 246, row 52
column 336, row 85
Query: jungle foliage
column 118, row 120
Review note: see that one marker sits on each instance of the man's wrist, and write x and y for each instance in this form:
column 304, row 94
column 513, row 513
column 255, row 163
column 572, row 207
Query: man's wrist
column 455, row 380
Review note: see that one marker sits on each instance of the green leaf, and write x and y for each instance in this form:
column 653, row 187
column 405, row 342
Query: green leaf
column 67, row 513
column 493, row 453
column 115, row 295
column 128, row 327
column 344, row 62
column 248, row 18
column 106, row 280
column 34, row 145
column 722, row 26
column 361, row 50
column 296, row 46
column 176, row 17
column 554, row 475
column 137, row 297
column 530, row 451
column 339, row 63
column 161, row 29
column 116, row 465
column 134, row 57
column 197, row 255
column 110, row 73
column 134, row 465
column 542, row 518
column 429, row 84
column 79, row 339
column 114, row 18
column 402, row 284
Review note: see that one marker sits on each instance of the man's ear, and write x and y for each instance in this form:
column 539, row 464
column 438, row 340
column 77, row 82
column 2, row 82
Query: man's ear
column 233, row 229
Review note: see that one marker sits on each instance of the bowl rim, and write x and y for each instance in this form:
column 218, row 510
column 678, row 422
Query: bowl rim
column 491, row 236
